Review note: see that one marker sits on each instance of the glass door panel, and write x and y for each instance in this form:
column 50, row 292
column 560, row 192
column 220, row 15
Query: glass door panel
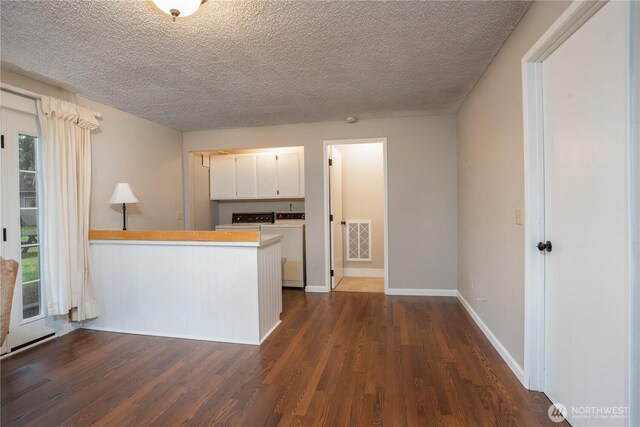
column 29, row 230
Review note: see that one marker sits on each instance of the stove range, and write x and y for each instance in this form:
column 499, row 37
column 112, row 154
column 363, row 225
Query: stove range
column 265, row 217
column 253, row 218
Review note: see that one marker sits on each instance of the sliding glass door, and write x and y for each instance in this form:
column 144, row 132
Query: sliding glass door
column 21, row 218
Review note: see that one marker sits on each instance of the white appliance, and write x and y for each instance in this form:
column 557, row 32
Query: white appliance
column 291, row 226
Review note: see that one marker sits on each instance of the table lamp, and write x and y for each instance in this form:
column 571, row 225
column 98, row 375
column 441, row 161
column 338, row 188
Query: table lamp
column 123, row 194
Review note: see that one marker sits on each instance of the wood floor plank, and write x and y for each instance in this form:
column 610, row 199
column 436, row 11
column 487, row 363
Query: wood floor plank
column 340, row 359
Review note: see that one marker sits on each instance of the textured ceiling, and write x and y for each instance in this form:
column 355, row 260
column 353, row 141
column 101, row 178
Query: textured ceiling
column 251, row 63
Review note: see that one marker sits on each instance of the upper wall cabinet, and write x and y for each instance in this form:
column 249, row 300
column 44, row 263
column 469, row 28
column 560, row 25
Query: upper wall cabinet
column 257, row 176
column 246, row 177
column 278, row 176
column 222, row 175
column 267, row 176
column 288, row 175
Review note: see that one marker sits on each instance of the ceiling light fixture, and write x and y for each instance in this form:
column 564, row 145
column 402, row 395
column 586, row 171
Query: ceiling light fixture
column 177, row 8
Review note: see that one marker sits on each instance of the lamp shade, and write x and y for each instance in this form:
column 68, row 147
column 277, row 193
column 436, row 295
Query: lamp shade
column 123, row 194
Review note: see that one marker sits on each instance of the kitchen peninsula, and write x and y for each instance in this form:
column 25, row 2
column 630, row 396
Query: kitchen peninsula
column 209, row 285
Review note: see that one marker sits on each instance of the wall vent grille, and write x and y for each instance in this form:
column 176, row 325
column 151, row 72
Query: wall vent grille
column 359, row 240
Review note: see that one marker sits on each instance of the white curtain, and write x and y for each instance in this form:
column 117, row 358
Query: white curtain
column 66, row 169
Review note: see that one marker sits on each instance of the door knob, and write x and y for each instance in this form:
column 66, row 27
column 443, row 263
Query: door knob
column 545, row 246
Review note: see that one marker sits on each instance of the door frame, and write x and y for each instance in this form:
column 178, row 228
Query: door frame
column 24, row 106
column 335, row 155
column 569, row 22
column 327, row 227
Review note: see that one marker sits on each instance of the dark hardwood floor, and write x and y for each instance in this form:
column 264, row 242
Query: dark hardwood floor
column 341, row 359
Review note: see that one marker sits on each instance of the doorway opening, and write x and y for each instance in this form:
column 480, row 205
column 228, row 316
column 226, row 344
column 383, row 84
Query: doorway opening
column 21, row 217
column 571, row 196
column 356, row 215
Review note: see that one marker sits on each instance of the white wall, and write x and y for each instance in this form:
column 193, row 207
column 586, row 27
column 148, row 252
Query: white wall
column 145, row 154
column 421, row 160
column 491, row 185
column 205, row 210
column 36, row 86
column 127, row 148
column 363, row 195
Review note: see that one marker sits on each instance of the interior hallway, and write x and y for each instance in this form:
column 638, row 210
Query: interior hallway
column 360, row 284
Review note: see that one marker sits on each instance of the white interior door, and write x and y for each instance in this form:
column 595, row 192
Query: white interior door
column 21, row 217
column 586, row 272
column 335, row 203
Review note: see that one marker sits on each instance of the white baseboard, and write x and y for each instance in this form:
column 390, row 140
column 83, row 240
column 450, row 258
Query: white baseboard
column 364, row 272
column 29, row 347
column 511, row 362
column 270, row 331
column 422, row 292
column 61, row 327
column 316, row 289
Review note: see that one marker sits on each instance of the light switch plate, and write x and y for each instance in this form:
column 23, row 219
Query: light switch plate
column 519, row 216
column 179, row 215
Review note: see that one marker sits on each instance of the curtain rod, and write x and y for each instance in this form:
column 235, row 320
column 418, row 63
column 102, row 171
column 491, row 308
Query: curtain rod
column 34, row 96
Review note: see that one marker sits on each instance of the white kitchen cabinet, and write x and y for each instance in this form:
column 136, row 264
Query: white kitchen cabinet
column 222, row 174
column 246, row 186
column 267, row 176
column 288, row 175
column 257, row 176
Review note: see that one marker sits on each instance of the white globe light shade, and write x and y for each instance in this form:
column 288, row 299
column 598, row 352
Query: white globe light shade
column 185, row 7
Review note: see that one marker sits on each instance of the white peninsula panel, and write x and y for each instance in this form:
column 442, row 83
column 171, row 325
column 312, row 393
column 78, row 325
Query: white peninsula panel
column 217, row 291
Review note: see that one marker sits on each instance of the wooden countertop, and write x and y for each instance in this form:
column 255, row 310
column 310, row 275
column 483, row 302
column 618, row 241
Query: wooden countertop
column 176, row 235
